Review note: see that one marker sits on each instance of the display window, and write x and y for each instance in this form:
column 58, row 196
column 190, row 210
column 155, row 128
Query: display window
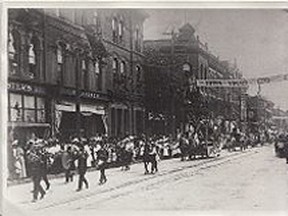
column 26, row 108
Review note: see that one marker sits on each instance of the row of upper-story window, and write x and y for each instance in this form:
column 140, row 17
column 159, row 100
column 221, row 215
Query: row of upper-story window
column 120, row 29
column 119, row 25
column 120, row 67
column 33, row 56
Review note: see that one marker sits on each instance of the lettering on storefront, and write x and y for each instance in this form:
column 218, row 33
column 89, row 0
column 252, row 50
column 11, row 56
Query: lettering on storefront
column 25, row 88
column 92, row 95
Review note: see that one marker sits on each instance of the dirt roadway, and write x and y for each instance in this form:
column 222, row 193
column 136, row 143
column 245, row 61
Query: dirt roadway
column 252, row 180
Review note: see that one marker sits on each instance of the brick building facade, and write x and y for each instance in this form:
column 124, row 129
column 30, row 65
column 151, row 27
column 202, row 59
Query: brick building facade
column 75, row 72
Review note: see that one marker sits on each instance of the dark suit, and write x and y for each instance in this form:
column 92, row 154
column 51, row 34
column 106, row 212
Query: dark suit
column 36, row 173
column 82, row 168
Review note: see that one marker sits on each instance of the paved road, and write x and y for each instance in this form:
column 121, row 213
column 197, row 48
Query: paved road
column 250, row 180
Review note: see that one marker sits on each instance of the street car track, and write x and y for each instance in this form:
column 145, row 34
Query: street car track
column 177, row 173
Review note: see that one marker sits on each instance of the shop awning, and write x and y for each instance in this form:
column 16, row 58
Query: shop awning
column 68, row 107
column 96, row 109
column 27, row 124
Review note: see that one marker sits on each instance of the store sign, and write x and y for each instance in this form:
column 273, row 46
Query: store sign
column 22, row 87
column 230, row 83
column 92, row 95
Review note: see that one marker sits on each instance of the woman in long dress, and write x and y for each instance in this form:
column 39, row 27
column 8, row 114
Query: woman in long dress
column 20, row 167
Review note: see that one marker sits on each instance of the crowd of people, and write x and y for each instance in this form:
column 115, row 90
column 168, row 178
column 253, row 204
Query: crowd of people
column 40, row 157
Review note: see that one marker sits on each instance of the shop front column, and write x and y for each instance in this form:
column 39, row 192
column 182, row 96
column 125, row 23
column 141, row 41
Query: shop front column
column 130, row 120
column 134, row 122
column 123, row 122
column 109, row 121
column 115, row 122
column 53, row 116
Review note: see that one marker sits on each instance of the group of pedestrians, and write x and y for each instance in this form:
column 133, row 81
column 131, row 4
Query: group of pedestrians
column 39, row 162
column 79, row 154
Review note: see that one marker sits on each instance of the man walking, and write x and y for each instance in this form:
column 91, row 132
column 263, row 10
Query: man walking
column 102, row 156
column 44, row 155
column 36, row 165
column 67, row 160
column 82, row 168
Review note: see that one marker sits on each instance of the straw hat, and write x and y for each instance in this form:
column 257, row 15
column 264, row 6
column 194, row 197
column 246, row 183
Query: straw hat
column 75, row 140
column 15, row 143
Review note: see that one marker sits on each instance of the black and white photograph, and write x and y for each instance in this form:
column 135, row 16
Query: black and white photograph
column 145, row 108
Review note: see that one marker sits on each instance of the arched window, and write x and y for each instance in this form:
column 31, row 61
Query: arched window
column 114, row 29
column 120, row 30
column 122, row 67
column 85, row 74
column 137, row 39
column 59, row 55
column 33, row 56
column 138, row 72
column 186, row 67
column 114, row 21
column 96, row 67
column 11, row 49
column 60, row 63
column 115, row 65
column 14, row 49
column 32, row 60
column 95, row 18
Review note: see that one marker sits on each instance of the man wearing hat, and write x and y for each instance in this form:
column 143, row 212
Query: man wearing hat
column 102, row 157
column 67, row 160
column 36, row 165
column 82, row 168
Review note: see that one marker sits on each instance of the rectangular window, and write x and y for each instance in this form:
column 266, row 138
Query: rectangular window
column 15, row 107
column 26, row 108
column 29, row 102
column 29, row 115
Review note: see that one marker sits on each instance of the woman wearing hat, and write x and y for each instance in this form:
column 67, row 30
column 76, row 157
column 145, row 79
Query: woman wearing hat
column 18, row 153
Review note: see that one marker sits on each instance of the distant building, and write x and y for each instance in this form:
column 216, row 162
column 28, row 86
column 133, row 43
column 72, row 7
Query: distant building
column 182, row 60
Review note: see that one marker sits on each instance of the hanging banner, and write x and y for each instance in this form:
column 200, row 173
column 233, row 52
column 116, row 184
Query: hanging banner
column 232, row 83
column 239, row 83
column 280, row 117
column 266, row 80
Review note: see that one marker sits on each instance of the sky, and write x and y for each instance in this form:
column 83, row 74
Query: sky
column 256, row 38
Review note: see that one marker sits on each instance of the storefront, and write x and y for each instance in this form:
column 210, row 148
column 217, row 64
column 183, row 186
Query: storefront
column 126, row 120
column 92, row 119
column 27, row 111
column 27, row 117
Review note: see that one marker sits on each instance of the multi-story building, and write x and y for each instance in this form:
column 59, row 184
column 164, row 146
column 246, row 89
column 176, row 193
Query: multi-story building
column 75, row 71
column 184, row 59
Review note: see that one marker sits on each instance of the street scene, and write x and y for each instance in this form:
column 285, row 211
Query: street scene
column 146, row 109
